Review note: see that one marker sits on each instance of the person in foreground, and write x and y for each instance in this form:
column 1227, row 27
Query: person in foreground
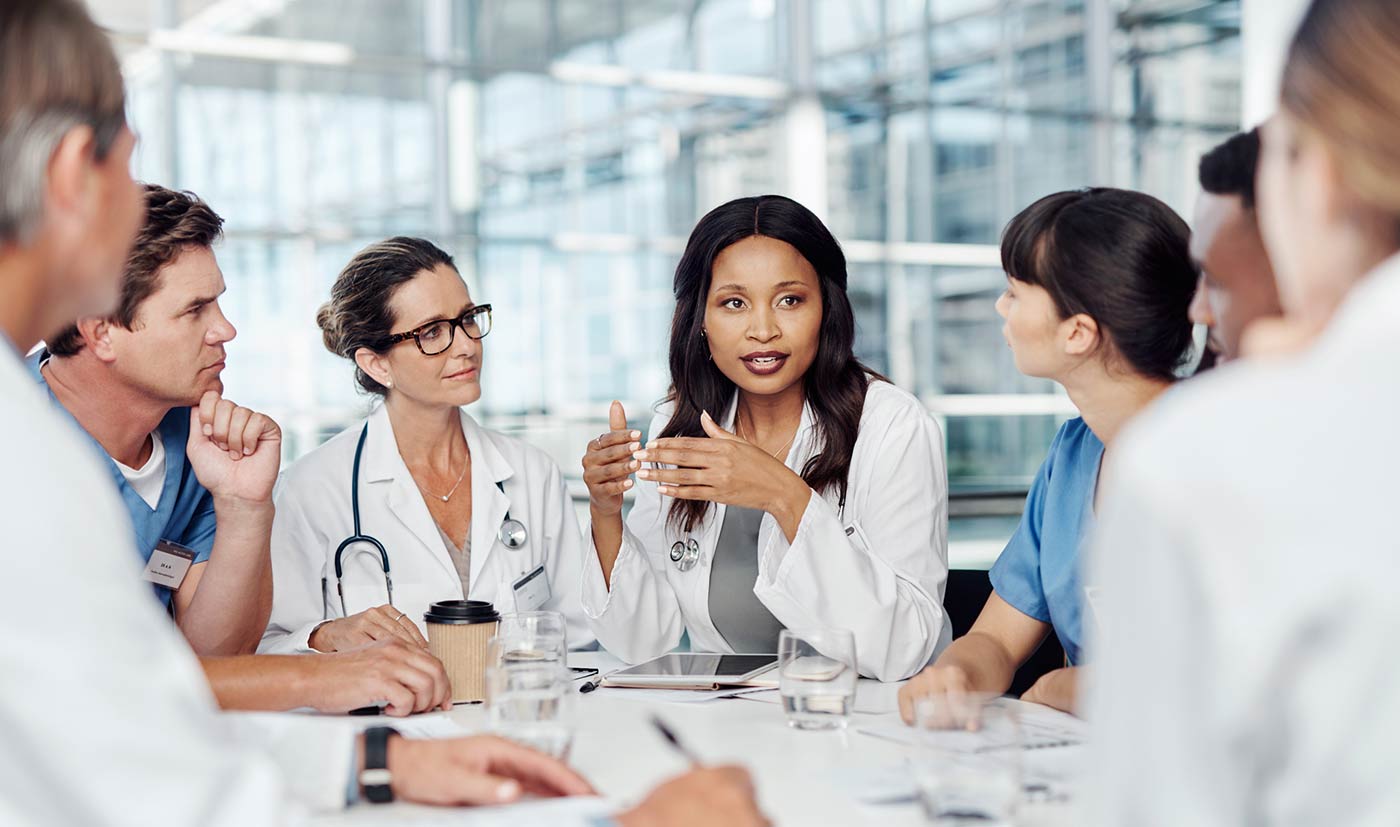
column 1237, row 285
column 103, row 702
column 1245, row 674
column 1099, row 283
column 786, row 485
column 439, row 491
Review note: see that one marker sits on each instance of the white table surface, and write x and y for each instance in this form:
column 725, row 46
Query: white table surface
column 797, row 773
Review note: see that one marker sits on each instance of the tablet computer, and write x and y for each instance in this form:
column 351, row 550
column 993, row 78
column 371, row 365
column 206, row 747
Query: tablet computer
column 693, row 670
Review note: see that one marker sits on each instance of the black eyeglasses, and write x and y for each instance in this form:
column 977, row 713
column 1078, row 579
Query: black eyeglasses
column 436, row 336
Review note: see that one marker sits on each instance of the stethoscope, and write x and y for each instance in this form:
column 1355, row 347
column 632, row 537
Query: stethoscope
column 512, row 533
column 685, row 554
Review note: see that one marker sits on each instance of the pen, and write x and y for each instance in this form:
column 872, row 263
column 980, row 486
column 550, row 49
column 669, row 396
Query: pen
column 590, row 685
column 674, row 741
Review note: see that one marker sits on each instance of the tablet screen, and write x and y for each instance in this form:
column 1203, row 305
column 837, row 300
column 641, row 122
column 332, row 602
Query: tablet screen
column 695, row 665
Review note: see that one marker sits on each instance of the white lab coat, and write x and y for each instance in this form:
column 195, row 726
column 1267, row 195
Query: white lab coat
column 1247, row 560
column 106, row 713
column 314, row 516
column 877, row 568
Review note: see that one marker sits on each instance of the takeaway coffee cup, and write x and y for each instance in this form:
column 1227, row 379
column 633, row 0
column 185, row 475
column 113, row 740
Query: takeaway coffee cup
column 458, row 631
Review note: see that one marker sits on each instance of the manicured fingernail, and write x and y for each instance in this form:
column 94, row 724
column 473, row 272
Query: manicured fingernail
column 636, row 465
column 636, row 434
column 248, row 451
column 644, row 474
column 626, row 484
column 635, row 446
column 651, row 444
column 639, row 455
column 208, row 429
column 507, row 791
column 233, row 454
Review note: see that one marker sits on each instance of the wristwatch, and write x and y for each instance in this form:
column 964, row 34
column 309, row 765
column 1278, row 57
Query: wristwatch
column 375, row 777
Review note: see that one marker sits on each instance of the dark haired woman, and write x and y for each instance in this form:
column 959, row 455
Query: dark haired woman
column 461, row 511
column 1099, row 283
column 786, row 485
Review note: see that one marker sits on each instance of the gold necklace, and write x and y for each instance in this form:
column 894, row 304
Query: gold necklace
column 773, row 454
column 448, row 495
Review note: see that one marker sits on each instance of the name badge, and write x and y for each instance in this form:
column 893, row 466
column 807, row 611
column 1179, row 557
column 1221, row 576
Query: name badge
column 531, row 591
column 169, row 564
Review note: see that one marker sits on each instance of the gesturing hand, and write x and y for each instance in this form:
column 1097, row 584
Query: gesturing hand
column 725, row 468
column 234, row 451
column 608, row 463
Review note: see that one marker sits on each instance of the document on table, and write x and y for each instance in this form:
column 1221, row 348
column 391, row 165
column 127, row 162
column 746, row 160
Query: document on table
column 682, row 696
column 551, row 812
column 1041, row 728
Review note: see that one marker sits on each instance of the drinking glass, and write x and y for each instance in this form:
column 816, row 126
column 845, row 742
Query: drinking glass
column 817, row 677
column 531, row 704
column 531, row 637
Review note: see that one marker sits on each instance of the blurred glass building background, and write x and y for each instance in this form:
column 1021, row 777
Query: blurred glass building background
column 563, row 149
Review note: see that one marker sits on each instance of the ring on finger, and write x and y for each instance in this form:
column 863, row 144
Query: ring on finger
column 401, row 616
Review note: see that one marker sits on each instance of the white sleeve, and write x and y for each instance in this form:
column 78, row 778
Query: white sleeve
column 639, row 618
column 883, row 580
column 108, row 718
column 566, row 552
column 298, row 562
column 1160, row 753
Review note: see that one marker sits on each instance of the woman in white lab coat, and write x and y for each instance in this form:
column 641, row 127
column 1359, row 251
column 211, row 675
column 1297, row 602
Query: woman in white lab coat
column 817, row 497
column 461, row 511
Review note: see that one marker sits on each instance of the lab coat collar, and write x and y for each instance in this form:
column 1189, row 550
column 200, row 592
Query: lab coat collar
column 383, row 463
column 382, row 460
column 1369, row 307
column 802, row 446
column 490, row 504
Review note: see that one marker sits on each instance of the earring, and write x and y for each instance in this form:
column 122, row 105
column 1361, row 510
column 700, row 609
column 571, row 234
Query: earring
column 389, row 384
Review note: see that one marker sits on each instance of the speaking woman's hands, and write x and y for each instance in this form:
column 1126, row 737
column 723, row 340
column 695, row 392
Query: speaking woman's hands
column 725, row 468
column 607, row 471
column 608, row 464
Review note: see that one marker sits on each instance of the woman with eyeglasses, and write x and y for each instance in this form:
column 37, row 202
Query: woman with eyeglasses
column 459, row 511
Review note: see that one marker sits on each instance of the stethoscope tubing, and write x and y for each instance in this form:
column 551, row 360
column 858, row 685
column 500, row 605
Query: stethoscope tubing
column 512, row 533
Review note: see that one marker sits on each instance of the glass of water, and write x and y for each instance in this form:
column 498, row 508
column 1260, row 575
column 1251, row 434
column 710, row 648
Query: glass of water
column 967, row 759
column 531, row 704
column 531, row 637
column 817, row 677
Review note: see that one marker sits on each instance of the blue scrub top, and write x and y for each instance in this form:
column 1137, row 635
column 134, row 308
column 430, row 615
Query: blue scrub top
column 1038, row 571
column 184, row 514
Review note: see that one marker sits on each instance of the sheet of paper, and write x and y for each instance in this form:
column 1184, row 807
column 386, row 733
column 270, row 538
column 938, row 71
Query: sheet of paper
column 683, row 696
column 555, row 812
column 1039, row 730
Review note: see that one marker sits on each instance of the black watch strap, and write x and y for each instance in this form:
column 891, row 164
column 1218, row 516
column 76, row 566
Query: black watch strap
column 375, row 777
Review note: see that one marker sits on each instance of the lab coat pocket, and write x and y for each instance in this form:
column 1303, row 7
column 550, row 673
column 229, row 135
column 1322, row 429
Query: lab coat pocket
column 857, row 537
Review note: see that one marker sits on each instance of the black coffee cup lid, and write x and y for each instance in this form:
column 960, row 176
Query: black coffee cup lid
column 461, row 612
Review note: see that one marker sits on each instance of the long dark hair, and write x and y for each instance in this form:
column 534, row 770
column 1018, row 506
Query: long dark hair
column 1120, row 257
column 835, row 384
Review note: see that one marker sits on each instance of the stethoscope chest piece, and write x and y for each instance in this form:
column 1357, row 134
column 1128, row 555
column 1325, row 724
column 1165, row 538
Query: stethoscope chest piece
column 513, row 534
column 685, row 555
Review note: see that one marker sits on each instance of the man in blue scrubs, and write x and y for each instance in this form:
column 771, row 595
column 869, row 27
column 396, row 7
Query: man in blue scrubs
column 134, row 382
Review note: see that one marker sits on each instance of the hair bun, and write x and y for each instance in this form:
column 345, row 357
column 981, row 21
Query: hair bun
column 330, row 328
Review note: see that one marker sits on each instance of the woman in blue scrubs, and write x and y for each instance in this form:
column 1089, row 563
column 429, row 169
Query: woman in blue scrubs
column 1099, row 284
